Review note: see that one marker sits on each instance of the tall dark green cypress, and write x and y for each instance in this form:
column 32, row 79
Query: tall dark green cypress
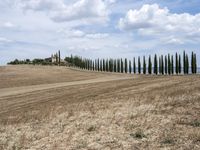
column 162, row 65
column 195, row 63
column 177, row 64
column 122, row 66
column 130, row 68
column 98, row 66
column 125, row 63
column 112, row 64
column 139, row 65
column 172, row 64
column 166, row 66
column 160, row 71
column 104, row 65
column 144, row 65
column 187, row 64
column 192, row 63
column 115, row 65
column 169, row 64
column 134, row 66
column 184, row 62
column 107, row 65
column 150, row 66
column 93, row 65
column 118, row 65
column 155, row 65
column 88, row 64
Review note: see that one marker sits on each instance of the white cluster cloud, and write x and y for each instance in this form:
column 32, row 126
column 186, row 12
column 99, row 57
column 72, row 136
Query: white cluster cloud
column 155, row 21
column 7, row 25
column 4, row 40
column 74, row 33
column 97, row 35
column 42, row 5
column 82, row 10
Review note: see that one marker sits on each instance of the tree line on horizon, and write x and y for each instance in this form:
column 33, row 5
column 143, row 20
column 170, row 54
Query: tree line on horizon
column 168, row 64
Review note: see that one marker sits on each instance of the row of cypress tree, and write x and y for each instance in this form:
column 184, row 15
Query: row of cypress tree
column 167, row 64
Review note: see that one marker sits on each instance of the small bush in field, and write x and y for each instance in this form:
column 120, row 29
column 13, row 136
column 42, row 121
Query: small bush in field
column 138, row 135
column 168, row 140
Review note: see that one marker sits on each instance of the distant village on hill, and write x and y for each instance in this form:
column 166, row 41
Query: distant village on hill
column 55, row 59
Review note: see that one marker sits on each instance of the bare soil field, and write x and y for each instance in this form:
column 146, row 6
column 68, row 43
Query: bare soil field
column 61, row 108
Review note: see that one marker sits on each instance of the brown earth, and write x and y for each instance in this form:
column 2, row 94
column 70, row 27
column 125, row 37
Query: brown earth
column 61, row 108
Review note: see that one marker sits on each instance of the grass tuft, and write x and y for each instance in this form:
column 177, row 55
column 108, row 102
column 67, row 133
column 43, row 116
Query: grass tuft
column 90, row 129
column 138, row 135
column 168, row 140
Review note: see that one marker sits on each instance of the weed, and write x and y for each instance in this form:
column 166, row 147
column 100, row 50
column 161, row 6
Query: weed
column 90, row 129
column 168, row 140
column 138, row 135
column 195, row 123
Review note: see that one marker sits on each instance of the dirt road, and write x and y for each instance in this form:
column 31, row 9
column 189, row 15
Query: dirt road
column 27, row 89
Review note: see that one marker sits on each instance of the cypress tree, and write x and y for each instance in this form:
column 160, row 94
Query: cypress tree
column 184, row 62
column 162, row 65
column 104, row 65
column 122, row 66
column 88, row 63
column 118, row 65
column 115, row 65
column 155, row 65
column 93, row 65
column 134, row 66
column 130, row 70
column 107, row 65
column 139, row 65
column 177, row 64
column 144, row 65
column 169, row 65
column 166, row 67
column 172, row 64
column 98, row 66
column 192, row 63
column 195, row 63
column 187, row 64
column 110, row 65
column 126, row 70
column 160, row 71
column 150, row 65
column 110, row 68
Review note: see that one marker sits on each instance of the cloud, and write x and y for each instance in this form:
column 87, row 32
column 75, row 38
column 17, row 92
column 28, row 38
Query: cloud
column 74, row 33
column 7, row 25
column 71, row 33
column 83, row 9
column 42, row 5
column 151, row 20
column 90, row 11
column 97, row 35
column 5, row 40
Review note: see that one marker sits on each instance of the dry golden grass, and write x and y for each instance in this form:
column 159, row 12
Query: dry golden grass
column 145, row 112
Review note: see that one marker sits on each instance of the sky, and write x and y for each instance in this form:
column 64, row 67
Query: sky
column 98, row 28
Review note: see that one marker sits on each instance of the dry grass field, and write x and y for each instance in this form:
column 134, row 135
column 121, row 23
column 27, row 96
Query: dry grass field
column 59, row 108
